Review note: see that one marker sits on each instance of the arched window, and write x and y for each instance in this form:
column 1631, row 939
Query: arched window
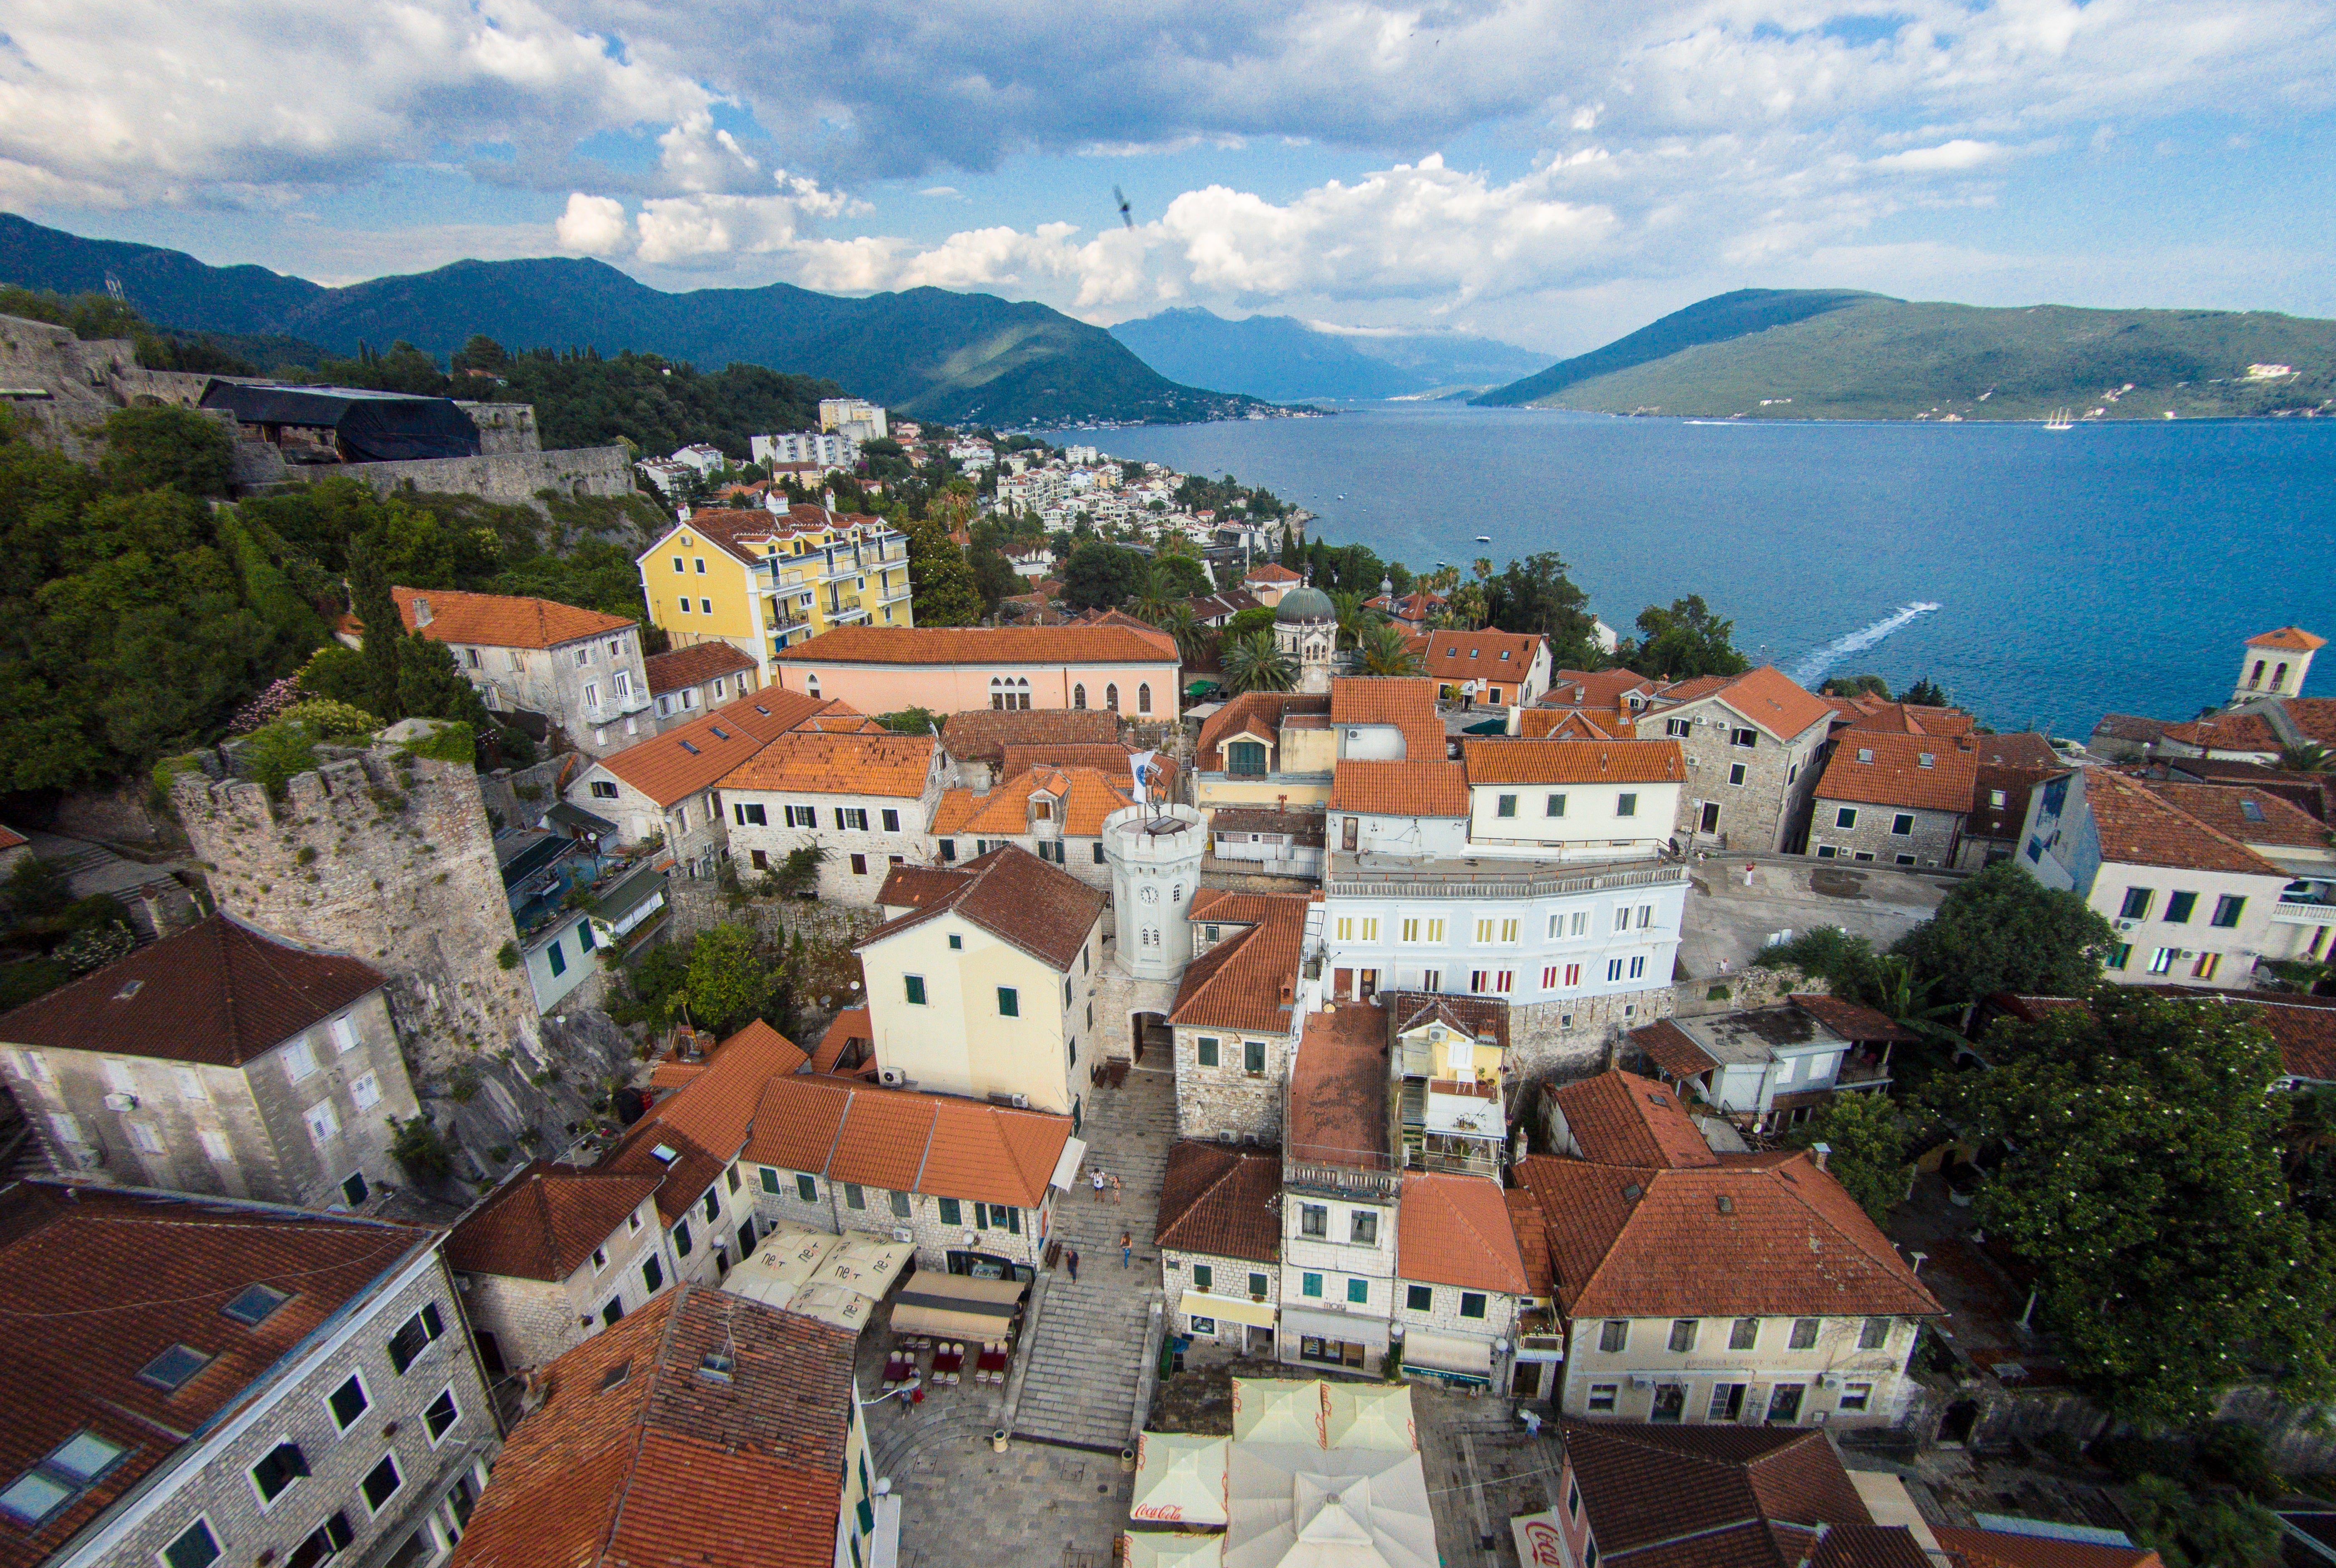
column 2256, row 680
column 1111, row 696
column 813, row 685
column 1143, row 698
column 1079, row 695
column 2278, row 677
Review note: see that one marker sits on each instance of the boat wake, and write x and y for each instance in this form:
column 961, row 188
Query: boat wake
column 1818, row 660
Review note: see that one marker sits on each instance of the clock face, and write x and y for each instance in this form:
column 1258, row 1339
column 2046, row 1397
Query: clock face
column 1149, row 894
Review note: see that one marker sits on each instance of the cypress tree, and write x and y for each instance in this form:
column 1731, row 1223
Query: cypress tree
column 370, row 598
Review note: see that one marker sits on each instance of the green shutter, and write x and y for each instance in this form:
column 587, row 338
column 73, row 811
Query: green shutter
column 951, row 1215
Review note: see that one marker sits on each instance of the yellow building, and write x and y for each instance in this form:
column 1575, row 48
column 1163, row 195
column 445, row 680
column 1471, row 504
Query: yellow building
column 762, row 581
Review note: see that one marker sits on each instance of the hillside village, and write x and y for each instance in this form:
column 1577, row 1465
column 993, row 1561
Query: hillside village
column 1191, row 1066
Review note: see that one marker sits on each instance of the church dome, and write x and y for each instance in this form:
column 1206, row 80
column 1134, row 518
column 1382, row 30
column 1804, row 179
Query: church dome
column 1304, row 604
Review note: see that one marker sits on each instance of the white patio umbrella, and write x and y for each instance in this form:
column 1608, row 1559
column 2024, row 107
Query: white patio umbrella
column 1294, row 1506
column 1173, row 1549
column 1370, row 1416
column 1180, row 1480
column 1278, row 1410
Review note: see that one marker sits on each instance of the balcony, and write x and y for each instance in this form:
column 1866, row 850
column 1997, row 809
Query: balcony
column 2305, row 911
column 1341, row 1181
column 1377, row 875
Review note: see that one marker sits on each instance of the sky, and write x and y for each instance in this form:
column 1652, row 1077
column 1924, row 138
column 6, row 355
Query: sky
column 1549, row 172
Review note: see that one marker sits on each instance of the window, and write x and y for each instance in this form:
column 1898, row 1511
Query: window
column 174, row 1368
column 1097, row 847
column 854, row 818
column 415, row 1335
column 1313, row 1220
column 196, row 1546
column 2205, row 966
column 860, row 865
column 1573, row 1500
column 1358, row 1292
column 900, row 1205
column 144, row 1139
column 952, row 1213
column 1856, row 1396
column 1508, row 933
column 1472, row 1303
column 1744, row 1334
column 604, row 790
column 1483, row 931
column 255, row 1304
column 1143, row 698
column 70, row 1468
column 2162, row 960
column 2179, row 906
column 274, row 1474
column 1311, row 1286
column 1009, row 1001
column 652, row 1275
column 1743, row 738
column 1419, row 1298
column 745, row 814
column 2227, row 908
column 1614, row 1335
column 382, row 1483
column 681, row 1242
column 1901, row 824
column 558, row 959
column 1507, row 807
column 1626, row 804
column 1601, row 1396
column 1254, row 1057
column 1736, row 773
column 1845, row 816
column 1205, row 1050
column 1110, row 697
column 1260, row 1287
column 1804, row 1333
column 713, row 1204
column 1363, row 1228
column 2137, row 903
column 1677, row 728
column 366, row 1091
column 300, row 1061
column 802, row 815
column 957, row 942
column 1202, row 1276
column 1200, row 1325
column 1874, row 1334
column 1079, row 695
column 915, row 986
column 2120, row 956
column 1682, row 1335
column 1638, row 966
column 348, row 1402
column 1614, row 969
column 806, row 1187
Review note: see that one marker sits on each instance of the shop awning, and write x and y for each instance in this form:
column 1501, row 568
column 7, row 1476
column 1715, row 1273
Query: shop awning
column 1448, row 1353
column 1368, row 1331
column 1231, row 1309
column 956, row 1306
column 1067, row 1168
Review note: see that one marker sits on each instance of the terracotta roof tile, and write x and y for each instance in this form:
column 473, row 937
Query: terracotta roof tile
column 812, row 762
column 500, row 620
column 545, row 1220
column 1112, row 758
column 693, row 666
column 982, row 734
column 1081, row 798
column 1766, row 696
column 1453, row 1230
column 988, row 1154
column 1604, row 689
column 693, row 756
column 914, row 886
column 1644, row 1486
column 1454, row 655
column 1851, row 1021
column 1477, row 1015
column 217, row 992
column 1868, row 712
column 1245, row 981
column 1796, row 1243
column 2226, row 732
column 850, row 1028
column 2004, row 1549
column 2294, row 639
column 1272, row 572
column 96, row 1283
column 796, row 1120
column 1566, row 724
column 2010, row 766
column 2313, row 717
column 1260, row 711
column 977, row 645
column 1530, row 1228
column 615, row 1465
column 2250, row 815
column 2304, row 1027
column 1406, row 703
column 1403, row 788
column 1506, row 761
column 705, row 1121
column 1620, row 1118
column 1672, row 1049
column 1018, row 899
column 1216, row 1198
column 10, row 838
column 2139, row 828
column 1880, row 769
column 1339, row 1089
column 1163, row 640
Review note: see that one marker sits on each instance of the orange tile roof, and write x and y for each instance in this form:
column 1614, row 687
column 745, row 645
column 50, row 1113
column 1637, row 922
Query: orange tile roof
column 1877, row 768
column 810, row 761
column 693, row 666
column 1565, row 724
column 1721, row 1496
column 905, row 1141
column 705, row 1121
column 1530, row 1228
column 1260, row 711
column 2138, row 828
column 500, row 621
column 615, row 1465
column 914, row 646
column 1620, row 1118
column 1480, row 656
column 1215, row 1199
column 1163, row 640
column 2226, row 732
column 1018, row 899
column 2294, row 639
column 989, row 1154
column 1399, row 789
column 982, row 734
column 545, row 1220
column 1245, row 981
column 1672, row 1049
column 1852, row 1021
column 1406, row 703
column 1594, row 688
column 1339, row 1089
column 692, row 757
column 850, row 1026
column 1766, row 696
column 2249, row 815
column 1272, row 572
column 1504, row 761
column 1797, row 1245
column 914, row 886
column 1453, row 1230
column 1082, row 797
column 10, row 838
column 2004, row 1549
column 2313, row 717
column 1111, row 758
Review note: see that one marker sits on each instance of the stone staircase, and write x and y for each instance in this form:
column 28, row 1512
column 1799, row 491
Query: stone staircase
column 1087, row 1355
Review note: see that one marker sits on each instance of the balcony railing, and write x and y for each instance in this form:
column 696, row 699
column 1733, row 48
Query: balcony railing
column 1446, row 879
column 2304, row 912
column 1341, row 1180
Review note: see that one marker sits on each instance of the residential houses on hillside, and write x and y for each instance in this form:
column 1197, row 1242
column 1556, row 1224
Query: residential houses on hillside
column 764, row 581
column 1494, row 668
column 862, row 801
column 1753, row 746
column 579, row 670
column 691, row 680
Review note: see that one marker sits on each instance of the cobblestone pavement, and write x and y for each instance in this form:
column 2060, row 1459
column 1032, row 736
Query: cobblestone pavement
column 1086, row 1357
column 1032, row 1506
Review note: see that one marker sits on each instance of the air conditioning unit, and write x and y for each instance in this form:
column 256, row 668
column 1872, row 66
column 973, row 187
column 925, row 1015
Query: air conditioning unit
column 1642, row 1379
column 2125, row 925
column 1014, row 1102
column 87, row 1156
column 122, row 1102
column 892, row 1077
column 903, row 1234
column 1828, row 1380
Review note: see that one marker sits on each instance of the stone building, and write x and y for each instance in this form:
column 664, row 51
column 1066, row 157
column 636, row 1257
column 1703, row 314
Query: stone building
column 863, row 800
column 1305, row 632
column 388, row 856
column 1754, row 745
column 1220, row 1244
column 1458, row 1277
column 553, row 1255
column 1237, row 1014
column 1155, row 853
column 217, row 1061
column 2275, row 664
column 978, row 739
column 1056, row 812
column 1340, row 1183
column 264, row 1383
column 1898, row 799
column 687, row 681
column 580, row 668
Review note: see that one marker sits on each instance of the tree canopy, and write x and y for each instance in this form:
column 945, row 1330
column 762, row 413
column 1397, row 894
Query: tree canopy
column 1535, row 595
column 2002, row 930
column 1866, row 1136
column 1102, row 576
column 1686, row 641
column 940, row 583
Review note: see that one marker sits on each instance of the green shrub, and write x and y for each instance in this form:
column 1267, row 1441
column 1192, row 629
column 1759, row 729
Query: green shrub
column 417, row 1147
column 507, row 955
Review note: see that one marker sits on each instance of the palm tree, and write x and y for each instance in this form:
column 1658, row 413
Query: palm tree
column 1387, row 652
column 1352, row 617
column 2311, row 757
column 1193, row 639
column 1909, row 1002
column 1152, row 596
column 1253, row 663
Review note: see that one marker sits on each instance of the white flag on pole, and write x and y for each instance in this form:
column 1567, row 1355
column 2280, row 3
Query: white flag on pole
column 1142, row 763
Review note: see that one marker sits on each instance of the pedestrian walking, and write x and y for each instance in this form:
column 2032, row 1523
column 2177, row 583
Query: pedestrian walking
column 1747, row 874
column 1126, row 1247
column 1098, row 1183
column 1074, row 1265
column 1115, row 1187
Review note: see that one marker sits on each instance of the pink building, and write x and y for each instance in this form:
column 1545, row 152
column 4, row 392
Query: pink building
column 955, row 669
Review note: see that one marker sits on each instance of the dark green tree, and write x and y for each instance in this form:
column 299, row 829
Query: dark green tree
column 430, row 686
column 1685, row 640
column 1857, row 687
column 941, row 586
column 728, row 984
column 1253, row 663
column 994, row 578
column 1386, row 651
column 1866, row 1138
column 153, row 449
column 1926, row 693
column 2194, row 1531
column 2141, row 1179
column 373, row 604
column 1247, row 624
column 1535, row 595
column 1101, row 576
column 2002, row 930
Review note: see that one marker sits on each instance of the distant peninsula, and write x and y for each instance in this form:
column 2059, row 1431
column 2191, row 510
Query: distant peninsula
column 1842, row 354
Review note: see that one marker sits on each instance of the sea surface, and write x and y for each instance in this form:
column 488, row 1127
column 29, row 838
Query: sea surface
column 2042, row 577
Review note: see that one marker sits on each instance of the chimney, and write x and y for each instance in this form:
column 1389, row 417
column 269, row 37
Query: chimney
column 1820, row 1152
column 422, row 616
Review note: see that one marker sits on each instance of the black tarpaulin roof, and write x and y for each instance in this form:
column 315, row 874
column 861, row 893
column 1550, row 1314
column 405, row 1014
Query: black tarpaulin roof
column 373, row 426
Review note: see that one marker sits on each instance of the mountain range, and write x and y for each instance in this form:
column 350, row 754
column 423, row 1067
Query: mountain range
column 958, row 358
column 1287, row 360
column 1838, row 353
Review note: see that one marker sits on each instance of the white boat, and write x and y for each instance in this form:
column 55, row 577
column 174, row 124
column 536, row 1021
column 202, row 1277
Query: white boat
column 2060, row 420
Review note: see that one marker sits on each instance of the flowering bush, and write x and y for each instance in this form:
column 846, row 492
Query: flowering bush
column 269, row 706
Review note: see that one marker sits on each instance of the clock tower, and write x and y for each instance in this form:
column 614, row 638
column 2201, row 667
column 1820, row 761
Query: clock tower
column 1155, row 868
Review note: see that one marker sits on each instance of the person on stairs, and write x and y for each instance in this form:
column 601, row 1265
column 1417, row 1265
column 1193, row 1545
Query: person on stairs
column 1126, row 1247
column 1074, row 1265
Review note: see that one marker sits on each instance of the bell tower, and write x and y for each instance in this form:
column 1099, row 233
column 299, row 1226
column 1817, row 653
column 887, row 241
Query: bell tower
column 1156, row 854
column 2275, row 664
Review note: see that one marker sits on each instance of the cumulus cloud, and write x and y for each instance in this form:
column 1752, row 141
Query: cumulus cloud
column 1948, row 157
column 592, row 225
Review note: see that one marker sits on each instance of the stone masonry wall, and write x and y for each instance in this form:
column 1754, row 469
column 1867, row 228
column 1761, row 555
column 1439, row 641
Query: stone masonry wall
column 1543, row 1044
column 1226, row 1097
column 509, row 476
column 504, row 426
column 1931, row 843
